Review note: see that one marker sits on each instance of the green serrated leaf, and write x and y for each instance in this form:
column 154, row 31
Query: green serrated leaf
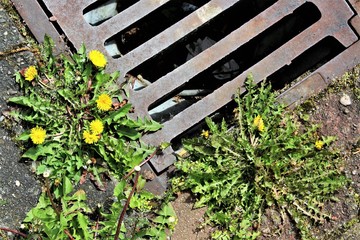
column 21, row 100
column 141, row 183
column 117, row 115
column 84, row 225
column 119, row 189
column 67, row 186
column 40, row 150
column 164, row 145
column 40, row 169
column 80, row 195
column 82, row 49
column 115, row 75
column 159, row 219
column 24, row 136
column 167, row 211
column 128, row 132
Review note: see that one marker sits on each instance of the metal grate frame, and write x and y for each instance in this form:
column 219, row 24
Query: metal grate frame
column 339, row 19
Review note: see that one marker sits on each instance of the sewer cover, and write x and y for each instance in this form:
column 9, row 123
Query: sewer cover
column 188, row 57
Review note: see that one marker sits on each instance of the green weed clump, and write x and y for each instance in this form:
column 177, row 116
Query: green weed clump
column 263, row 160
column 79, row 129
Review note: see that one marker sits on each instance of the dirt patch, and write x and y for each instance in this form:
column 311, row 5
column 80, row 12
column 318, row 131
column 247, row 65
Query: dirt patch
column 190, row 220
column 342, row 121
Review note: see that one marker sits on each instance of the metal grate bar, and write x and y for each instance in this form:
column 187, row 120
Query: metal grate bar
column 95, row 36
column 175, row 33
column 127, row 17
column 69, row 15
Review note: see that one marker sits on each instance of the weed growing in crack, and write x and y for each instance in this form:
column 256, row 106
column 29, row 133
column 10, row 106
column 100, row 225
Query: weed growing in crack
column 79, row 128
column 265, row 160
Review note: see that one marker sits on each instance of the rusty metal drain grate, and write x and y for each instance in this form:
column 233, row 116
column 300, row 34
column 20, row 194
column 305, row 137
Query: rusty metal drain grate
column 192, row 55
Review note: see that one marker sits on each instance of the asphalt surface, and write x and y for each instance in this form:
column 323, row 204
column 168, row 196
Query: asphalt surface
column 19, row 190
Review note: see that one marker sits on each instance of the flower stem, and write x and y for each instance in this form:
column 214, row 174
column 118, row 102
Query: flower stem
column 68, row 234
column 13, row 231
column 142, row 163
column 122, row 215
column 50, row 197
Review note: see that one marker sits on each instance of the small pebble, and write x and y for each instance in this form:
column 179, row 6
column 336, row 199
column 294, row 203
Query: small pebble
column 346, row 111
column 17, row 183
column 12, row 92
column 345, row 100
column 354, row 172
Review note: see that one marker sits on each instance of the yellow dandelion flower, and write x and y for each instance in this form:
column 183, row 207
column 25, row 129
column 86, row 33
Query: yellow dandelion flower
column 96, row 127
column 259, row 123
column 97, row 58
column 30, row 73
column 104, row 102
column 90, row 138
column 205, row 134
column 37, row 135
column 319, row 144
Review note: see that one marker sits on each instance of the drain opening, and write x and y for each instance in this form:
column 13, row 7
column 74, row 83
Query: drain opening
column 100, row 11
column 302, row 66
column 305, row 64
column 152, row 24
column 234, row 64
column 216, row 29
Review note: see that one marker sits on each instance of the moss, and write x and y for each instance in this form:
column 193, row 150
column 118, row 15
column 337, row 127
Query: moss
column 349, row 80
column 308, row 105
column 2, row 202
